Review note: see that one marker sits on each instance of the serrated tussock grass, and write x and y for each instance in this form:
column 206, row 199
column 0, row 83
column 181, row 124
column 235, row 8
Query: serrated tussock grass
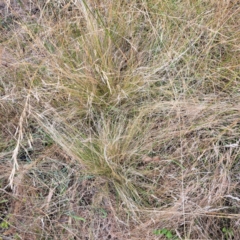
column 119, row 120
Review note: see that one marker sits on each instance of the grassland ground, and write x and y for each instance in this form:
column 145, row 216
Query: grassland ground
column 119, row 119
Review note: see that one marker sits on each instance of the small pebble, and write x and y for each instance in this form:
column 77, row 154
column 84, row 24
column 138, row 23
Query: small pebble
column 156, row 158
column 146, row 159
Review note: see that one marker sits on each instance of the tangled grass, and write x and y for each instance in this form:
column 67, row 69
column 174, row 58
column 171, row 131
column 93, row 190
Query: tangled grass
column 119, row 120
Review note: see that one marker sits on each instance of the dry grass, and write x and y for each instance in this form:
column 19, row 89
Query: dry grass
column 119, row 119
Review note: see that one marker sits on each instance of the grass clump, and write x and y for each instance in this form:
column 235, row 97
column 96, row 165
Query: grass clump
column 119, row 121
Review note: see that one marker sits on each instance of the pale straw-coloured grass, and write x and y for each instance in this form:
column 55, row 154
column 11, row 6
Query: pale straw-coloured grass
column 119, row 119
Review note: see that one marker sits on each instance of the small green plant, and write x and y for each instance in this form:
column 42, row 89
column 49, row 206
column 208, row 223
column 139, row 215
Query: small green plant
column 102, row 212
column 166, row 233
column 77, row 218
column 228, row 232
column 4, row 224
column 16, row 237
column 4, row 201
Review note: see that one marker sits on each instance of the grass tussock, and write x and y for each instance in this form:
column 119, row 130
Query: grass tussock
column 119, row 120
